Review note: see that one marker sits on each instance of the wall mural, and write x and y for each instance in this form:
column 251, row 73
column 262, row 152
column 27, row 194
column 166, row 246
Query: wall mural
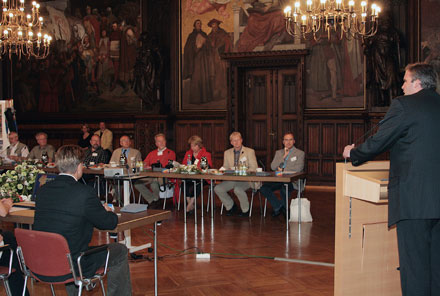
column 91, row 64
column 335, row 69
column 430, row 34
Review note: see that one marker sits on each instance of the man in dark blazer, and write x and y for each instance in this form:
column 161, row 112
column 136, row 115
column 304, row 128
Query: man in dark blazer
column 72, row 209
column 410, row 132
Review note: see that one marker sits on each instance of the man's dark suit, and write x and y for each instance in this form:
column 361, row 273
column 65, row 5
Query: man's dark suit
column 71, row 209
column 410, row 131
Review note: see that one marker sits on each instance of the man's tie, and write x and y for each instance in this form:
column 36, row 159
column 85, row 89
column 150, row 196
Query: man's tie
column 124, row 151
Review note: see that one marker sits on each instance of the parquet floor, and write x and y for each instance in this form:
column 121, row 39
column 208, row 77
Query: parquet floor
column 242, row 251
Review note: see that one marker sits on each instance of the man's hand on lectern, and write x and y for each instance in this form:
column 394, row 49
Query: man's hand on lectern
column 347, row 149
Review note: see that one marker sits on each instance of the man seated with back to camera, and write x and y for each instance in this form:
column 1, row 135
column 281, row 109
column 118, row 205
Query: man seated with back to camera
column 78, row 210
column 289, row 159
column 159, row 157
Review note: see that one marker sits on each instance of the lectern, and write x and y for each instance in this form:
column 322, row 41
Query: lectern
column 366, row 255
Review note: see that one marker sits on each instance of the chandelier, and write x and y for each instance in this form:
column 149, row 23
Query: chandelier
column 21, row 33
column 349, row 21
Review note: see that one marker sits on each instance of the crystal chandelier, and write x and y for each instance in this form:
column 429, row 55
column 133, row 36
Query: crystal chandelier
column 349, row 21
column 21, row 33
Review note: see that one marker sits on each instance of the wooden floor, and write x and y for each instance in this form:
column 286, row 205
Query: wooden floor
column 242, row 252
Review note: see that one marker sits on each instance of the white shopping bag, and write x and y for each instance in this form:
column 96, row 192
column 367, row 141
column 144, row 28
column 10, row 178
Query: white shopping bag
column 166, row 191
column 306, row 216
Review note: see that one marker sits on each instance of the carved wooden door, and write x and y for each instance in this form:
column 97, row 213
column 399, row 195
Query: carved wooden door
column 270, row 109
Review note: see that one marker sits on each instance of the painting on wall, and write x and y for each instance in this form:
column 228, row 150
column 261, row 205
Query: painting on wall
column 335, row 74
column 91, row 67
column 430, row 35
column 209, row 28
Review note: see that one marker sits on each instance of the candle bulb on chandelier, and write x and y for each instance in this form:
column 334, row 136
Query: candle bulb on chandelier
column 309, row 5
column 351, row 5
column 338, row 5
column 323, row 5
column 304, row 20
column 287, row 11
column 297, row 7
column 363, row 6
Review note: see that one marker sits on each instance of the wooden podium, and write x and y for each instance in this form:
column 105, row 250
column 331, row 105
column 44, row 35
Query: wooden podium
column 366, row 256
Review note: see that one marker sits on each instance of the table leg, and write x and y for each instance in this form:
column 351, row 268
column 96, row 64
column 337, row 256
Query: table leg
column 201, row 195
column 287, row 206
column 195, row 202
column 155, row 258
column 299, row 200
column 212, row 199
column 126, row 192
column 130, row 247
column 184, row 200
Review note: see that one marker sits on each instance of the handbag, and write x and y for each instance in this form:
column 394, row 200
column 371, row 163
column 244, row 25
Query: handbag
column 166, row 190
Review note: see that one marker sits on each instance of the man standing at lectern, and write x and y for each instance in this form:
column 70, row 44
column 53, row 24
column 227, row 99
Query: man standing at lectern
column 410, row 132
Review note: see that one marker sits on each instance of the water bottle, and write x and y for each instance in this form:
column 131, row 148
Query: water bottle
column 44, row 158
column 122, row 160
column 188, row 161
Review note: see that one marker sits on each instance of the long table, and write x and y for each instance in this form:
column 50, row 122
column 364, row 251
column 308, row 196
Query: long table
column 126, row 222
column 252, row 177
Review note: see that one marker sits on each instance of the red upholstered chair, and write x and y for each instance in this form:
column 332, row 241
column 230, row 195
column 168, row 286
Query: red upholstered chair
column 5, row 271
column 45, row 255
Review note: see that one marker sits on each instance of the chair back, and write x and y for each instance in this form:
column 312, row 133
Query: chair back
column 44, row 253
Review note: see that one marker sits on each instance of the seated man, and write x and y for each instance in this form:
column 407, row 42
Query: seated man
column 131, row 154
column 161, row 155
column 42, row 148
column 95, row 155
column 77, row 211
column 231, row 159
column 16, row 150
column 288, row 159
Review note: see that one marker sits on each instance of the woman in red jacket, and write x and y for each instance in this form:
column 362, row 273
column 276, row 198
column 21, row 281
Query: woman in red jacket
column 194, row 156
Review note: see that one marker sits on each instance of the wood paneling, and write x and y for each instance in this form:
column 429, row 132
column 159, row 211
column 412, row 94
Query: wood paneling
column 212, row 132
column 324, row 142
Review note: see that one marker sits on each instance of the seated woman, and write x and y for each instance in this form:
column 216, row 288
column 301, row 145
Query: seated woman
column 194, row 156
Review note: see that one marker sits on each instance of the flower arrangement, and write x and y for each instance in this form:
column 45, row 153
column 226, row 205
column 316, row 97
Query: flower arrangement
column 19, row 182
column 186, row 169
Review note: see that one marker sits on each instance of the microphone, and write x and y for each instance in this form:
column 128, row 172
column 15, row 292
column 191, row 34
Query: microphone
column 369, row 131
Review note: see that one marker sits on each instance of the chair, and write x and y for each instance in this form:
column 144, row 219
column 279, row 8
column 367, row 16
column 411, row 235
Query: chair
column 5, row 271
column 254, row 191
column 45, row 256
column 301, row 190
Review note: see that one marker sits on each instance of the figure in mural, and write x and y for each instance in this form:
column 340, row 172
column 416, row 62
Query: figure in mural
column 147, row 71
column 115, row 45
column 103, row 64
column 265, row 25
column 128, row 53
column 204, row 6
column 49, row 78
column 220, row 42
column 198, row 66
column 382, row 51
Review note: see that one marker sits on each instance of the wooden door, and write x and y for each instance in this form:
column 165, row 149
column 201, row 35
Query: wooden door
column 270, row 109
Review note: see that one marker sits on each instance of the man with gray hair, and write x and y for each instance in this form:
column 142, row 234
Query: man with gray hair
column 232, row 158
column 42, row 148
column 410, row 132
column 77, row 210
